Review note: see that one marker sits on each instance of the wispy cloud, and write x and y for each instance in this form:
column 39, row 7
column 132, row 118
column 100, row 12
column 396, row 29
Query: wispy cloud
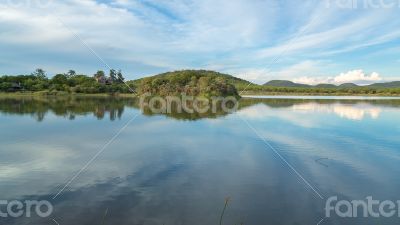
column 239, row 37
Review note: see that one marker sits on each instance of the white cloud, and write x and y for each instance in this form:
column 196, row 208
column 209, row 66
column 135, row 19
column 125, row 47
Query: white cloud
column 353, row 76
column 357, row 76
column 160, row 35
column 144, row 37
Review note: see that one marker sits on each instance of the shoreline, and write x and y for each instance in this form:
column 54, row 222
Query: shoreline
column 246, row 94
column 252, row 93
column 63, row 94
column 321, row 97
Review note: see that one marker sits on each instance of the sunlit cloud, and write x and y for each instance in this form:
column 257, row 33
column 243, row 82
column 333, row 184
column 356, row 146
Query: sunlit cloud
column 353, row 76
column 253, row 40
column 357, row 76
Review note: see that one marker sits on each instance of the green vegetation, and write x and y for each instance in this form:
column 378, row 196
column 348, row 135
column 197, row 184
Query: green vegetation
column 111, row 107
column 284, row 83
column 325, row 86
column 361, row 91
column 191, row 82
column 394, row 84
column 69, row 82
column 348, row 85
column 280, row 87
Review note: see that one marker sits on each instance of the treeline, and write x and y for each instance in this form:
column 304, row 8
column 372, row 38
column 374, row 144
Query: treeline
column 253, row 88
column 70, row 82
column 191, row 82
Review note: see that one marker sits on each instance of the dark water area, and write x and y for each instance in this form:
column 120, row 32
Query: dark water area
column 179, row 168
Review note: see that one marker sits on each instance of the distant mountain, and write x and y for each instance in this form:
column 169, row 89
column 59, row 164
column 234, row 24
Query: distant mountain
column 325, row 86
column 393, row 84
column 287, row 83
column 284, row 83
column 348, row 85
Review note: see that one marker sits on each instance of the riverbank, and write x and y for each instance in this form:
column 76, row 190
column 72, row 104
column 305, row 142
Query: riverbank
column 262, row 93
column 60, row 93
column 243, row 94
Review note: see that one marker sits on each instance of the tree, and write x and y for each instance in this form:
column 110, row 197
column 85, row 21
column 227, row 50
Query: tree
column 40, row 74
column 120, row 76
column 59, row 79
column 113, row 75
column 99, row 73
column 71, row 73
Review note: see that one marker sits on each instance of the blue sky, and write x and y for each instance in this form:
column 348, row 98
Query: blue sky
column 305, row 41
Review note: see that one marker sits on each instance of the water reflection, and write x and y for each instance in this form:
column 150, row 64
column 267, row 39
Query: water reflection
column 163, row 170
column 113, row 107
column 352, row 112
column 68, row 107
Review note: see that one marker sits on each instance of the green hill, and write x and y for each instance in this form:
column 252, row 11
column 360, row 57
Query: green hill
column 393, row 84
column 284, row 83
column 325, row 86
column 290, row 84
column 192, row 82
column 221, row 84
column 285, row 87
column 348, row 85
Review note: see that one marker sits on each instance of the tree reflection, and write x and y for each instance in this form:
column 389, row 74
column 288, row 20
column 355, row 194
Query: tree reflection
column 67, row 107
column 73, row 107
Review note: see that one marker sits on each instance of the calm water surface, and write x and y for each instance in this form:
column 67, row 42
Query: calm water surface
column 178, row 169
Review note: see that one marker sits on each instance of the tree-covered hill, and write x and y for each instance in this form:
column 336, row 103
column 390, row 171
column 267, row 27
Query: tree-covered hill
column 276, row 87
column 393, row 84
column 284, row 83
column 348, row 85
column 287, row 83
column 191, row 82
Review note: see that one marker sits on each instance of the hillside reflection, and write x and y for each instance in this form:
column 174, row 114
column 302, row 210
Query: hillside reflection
column 68, row 107
column 72, row 107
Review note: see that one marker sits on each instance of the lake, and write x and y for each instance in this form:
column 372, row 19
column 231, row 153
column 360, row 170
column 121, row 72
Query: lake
column 277, row 159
